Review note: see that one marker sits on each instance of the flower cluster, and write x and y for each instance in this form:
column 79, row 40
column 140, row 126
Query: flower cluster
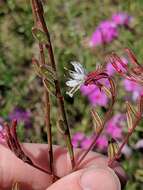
column 113, row 128
column 107, row 30
column 94, row 95
column 81, row 79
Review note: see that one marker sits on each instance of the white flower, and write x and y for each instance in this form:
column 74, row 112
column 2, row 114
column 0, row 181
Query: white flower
column 77, row 78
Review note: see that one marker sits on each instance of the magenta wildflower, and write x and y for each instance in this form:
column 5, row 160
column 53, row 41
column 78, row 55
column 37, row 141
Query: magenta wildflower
column 133, row 87
column 102, row 142
column 80, row 140
column 99, row 78
column 94, row 95
column 121, row 19
column 114, row 126
column 77, row 138
column 86, row 142
column 104, row 33
column 21, row 115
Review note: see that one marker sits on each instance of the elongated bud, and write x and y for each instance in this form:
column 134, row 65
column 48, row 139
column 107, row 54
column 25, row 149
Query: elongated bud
column 97, row 121
column 129, row 121
column 131, row 109
column 131, row 115
column 107, row 91
column 132, row 56
column 112, row 149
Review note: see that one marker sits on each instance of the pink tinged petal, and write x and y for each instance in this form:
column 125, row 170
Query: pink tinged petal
column 87, row 90
column 121, row 18
column 127, row 151
column 139, row 144
column 98, row 98
column 104, row 33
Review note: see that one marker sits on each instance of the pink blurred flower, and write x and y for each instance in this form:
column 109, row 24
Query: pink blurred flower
column 139, row 144
column 104, row 33
column 121, row 18
column 114, row 126
column 127, row 151
column 94, row 95
column 86, row 142
column 102, row 142
column 77, row 138
column 133, row 87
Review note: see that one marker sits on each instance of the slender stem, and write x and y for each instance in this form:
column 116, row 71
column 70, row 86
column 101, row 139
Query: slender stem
column 47, row 115
column 47, row 97
column 60, row 99
column 125, row 141
column 107, row 115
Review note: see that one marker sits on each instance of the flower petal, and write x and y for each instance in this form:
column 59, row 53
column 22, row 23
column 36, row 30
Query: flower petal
column 72, row 83
column 78, row 67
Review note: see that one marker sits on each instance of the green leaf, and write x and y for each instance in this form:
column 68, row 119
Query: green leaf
column 139, row 175
column 50, row 86
column 39, row 35
column 47, row 72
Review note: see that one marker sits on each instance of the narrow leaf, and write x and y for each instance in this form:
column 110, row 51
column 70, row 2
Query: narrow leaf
column 36, row 67
column 39, row 35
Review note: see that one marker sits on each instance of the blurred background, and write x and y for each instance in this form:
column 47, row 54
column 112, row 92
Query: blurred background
column 84, row 31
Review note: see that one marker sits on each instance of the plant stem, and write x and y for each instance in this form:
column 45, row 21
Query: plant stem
column 47, row 115
column 107, row 115
column 47, row 99
column 60, row 99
